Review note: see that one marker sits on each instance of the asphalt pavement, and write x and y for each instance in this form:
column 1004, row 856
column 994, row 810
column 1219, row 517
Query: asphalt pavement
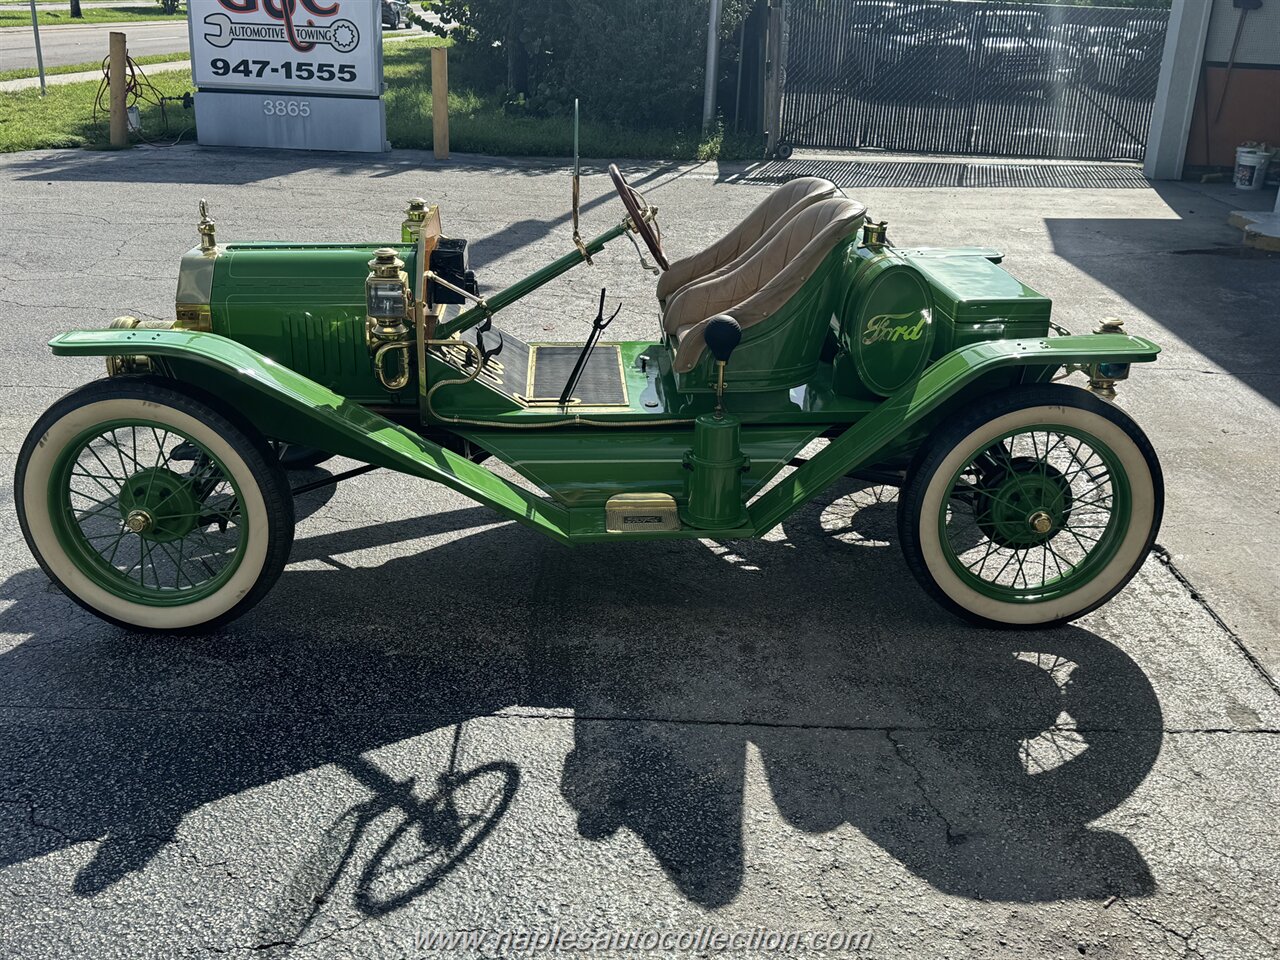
column 440, row 721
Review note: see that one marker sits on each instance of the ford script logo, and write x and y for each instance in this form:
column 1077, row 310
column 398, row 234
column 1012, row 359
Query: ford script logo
column 342, row 35
column 890, row 327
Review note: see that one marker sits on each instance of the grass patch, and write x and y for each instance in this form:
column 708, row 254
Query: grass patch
column 21, row 17
column 29, row 72
column 477, row 123
column 64, row 118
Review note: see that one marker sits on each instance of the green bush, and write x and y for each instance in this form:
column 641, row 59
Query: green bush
column 637, row 63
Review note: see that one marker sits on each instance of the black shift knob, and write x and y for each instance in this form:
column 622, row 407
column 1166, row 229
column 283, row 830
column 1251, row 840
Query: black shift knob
column 722, row 335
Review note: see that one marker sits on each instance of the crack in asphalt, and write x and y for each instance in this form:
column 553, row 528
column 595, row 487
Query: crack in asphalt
column 1162, row 554
column 647, row 718
column 1167, row 929
column 953, row 839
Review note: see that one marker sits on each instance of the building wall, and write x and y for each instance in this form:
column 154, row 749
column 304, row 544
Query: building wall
column 1251, row 108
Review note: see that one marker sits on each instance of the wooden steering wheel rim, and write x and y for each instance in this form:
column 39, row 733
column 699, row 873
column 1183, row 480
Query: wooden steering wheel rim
column 642, row 226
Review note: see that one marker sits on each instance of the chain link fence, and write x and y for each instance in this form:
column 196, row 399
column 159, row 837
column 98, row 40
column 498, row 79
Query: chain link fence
column 970, row 77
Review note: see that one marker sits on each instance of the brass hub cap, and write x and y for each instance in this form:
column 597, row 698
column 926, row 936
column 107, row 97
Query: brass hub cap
column 138, row 521
column 1040, row 522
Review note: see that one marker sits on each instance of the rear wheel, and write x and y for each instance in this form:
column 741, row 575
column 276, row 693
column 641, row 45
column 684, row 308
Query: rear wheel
column 152, row 509
column 1033, row 509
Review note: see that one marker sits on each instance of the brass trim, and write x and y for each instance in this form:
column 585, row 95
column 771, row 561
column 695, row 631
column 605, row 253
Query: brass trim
column 640, row 512
column 549, row 401
column 875, row 233
column 434, row 277
column 207, row 228
column 401, row 380
column 622, row 374
column 124, row 365
column 195, row 316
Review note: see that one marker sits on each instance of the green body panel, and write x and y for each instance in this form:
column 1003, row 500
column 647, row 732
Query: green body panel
column 303, row 305
column 303, row 411
column 784, row 350
column 584, row 467
column 862, row 443
column 975, row 300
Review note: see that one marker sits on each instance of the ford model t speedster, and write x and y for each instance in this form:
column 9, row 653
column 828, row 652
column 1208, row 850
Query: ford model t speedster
column 158, row 497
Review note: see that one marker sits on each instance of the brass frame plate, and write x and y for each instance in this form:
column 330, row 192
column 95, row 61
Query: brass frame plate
column 640, row 512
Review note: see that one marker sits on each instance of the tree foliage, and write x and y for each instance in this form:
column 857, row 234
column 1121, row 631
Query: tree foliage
column 638, row 62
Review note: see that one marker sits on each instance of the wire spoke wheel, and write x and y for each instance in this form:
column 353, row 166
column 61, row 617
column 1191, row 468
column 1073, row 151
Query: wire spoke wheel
column 150, row 508
column 1033, row 507
column 1035, row 513
column 151, row 515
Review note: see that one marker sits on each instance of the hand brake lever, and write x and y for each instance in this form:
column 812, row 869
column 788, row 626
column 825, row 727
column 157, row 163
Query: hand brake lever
column 597, row 327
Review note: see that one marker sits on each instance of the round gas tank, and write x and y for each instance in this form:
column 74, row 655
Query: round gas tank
column 887, row 325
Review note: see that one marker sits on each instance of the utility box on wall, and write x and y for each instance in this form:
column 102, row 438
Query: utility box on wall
column 302, row 75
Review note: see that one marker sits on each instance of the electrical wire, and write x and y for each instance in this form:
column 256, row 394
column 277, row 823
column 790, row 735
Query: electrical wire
column 138, row 89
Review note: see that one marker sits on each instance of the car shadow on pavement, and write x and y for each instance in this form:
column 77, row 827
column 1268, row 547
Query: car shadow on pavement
column 976, row 759
column 1190, row 273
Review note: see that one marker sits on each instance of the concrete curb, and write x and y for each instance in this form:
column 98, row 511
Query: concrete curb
column 1261, row 229
column 33, row 83
column 95, row 25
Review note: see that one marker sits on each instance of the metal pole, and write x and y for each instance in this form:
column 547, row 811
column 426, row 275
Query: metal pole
column 713, row 56
column 773, row 77
column 35, row 28
column 737, row 90
column 117, row 67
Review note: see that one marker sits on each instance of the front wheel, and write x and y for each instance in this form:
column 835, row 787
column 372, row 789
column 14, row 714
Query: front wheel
column 1032, row 509
column 150, row 508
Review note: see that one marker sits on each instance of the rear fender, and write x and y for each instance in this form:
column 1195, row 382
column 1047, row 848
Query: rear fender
column 865, row 440
column 302, row 411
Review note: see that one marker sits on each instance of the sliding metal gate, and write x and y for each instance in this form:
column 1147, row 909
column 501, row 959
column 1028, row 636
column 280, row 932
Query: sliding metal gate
column 973, row 77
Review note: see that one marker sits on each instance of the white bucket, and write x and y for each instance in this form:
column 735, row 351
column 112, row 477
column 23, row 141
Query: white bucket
column 1251, row 168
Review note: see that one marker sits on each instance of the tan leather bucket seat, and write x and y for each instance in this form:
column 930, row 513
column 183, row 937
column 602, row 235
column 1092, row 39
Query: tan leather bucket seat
column 783, row 202
column 761, row 280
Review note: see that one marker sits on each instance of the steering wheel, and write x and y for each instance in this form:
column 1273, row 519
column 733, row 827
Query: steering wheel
column 637, row 210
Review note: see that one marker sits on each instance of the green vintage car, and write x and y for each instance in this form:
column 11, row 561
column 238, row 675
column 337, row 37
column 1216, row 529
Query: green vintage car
column 159, row 497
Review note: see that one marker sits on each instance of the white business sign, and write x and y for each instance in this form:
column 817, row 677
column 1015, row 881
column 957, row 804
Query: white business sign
column 317, row 47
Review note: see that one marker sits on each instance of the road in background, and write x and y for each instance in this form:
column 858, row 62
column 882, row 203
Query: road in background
column 82, row 43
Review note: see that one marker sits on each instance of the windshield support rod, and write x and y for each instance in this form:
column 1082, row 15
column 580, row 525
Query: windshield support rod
column 521, row 288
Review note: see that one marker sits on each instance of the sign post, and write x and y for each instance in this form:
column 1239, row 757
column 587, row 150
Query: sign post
column 118, row 52
column 35, row 29
column 304, row 75
column 440, row 102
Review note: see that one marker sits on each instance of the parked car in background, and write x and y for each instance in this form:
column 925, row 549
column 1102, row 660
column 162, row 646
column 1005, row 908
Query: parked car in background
column 1022, row 52
column 930, row 52
column 395, row 14
column 1124, row 60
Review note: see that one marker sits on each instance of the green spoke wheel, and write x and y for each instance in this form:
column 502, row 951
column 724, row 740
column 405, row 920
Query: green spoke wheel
column 150, row 508
column 1031, row 510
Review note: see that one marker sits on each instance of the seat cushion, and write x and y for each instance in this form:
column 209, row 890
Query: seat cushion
column 791, row 196
column 761, row 281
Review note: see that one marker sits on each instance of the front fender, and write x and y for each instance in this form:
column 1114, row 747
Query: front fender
column 860, row 443
column 300, row 410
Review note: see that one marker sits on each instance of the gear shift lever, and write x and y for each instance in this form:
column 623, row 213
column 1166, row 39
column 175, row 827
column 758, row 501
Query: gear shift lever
column 723, row 334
